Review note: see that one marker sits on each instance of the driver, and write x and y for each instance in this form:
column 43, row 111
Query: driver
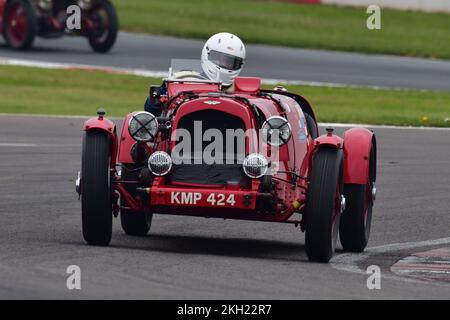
column 222, row 59
column 223, row 56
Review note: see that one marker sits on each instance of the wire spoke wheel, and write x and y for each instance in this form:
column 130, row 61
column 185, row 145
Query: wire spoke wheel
column 20, row 26
column 105, row 26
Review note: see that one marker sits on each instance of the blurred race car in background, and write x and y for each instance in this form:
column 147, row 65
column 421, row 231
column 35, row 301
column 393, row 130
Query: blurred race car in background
column 22, row 20
column 278, row 168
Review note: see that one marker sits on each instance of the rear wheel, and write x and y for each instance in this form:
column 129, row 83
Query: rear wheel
column 356, row 219
column 19, row 24
column 105, row 26
column 133, row 223
column 323, row 204
column 96, row 204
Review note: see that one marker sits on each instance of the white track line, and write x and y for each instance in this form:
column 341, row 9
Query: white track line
column 322, row 124
column 381, row 126
column 349, row 261
column 51, row 116
column 331, row 84
column 408, row 245
column 159, row 74
column 57, row 65
column 34, row 145
column 19, row 145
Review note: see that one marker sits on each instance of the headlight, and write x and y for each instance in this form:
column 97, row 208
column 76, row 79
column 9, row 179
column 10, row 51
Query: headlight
column 45, row 4
column 143, row 126
column 276, row 131
column 160, row 163
column 255, row 165
column 84, row 4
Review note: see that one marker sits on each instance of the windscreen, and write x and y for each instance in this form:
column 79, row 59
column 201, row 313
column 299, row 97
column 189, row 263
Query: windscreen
column 179, row 65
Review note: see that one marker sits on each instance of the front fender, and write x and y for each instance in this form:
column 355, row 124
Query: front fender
column 126, row 142
column 2, row 10
column 107, row 126
column 357, row 143
column 329, row 140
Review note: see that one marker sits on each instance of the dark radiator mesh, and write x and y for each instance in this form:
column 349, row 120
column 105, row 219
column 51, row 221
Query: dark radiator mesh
column 228, row 168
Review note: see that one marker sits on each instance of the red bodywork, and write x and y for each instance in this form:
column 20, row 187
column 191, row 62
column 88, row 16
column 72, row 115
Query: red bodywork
column 356, row 153
column 290, row 183
column 108, row 127
column 2, row 9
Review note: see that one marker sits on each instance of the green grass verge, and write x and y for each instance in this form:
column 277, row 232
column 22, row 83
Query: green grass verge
column 294, row 25
column 74, row 92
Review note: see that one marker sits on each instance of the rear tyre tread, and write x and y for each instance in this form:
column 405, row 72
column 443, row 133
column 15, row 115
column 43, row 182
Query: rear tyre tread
column 354, row 232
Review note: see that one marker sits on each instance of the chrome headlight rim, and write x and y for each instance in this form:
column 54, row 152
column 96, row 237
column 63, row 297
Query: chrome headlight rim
column 45, row 4
column 282, row 140
column 160, row 154
column 152, row 134
column 84, row 4
column 246, row 165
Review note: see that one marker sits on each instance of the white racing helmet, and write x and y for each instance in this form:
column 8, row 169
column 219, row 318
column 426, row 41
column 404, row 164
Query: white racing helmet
column 223, row 57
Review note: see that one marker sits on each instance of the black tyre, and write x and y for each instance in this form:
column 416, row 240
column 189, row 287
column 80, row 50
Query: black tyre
column 96, row 204
column 357, row 218
column 133, row 223
column 312, row 126
column 106, row 26
column 19, row 24
column 322, row 210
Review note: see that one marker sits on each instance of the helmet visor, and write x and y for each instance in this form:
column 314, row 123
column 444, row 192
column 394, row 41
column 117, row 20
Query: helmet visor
column 224, row 60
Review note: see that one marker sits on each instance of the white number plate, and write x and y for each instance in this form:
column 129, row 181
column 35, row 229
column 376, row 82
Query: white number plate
column 197, row 198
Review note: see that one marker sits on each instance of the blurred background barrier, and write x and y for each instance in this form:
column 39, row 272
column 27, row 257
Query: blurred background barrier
column 422, row 5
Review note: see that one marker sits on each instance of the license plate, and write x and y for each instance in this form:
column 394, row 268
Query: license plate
column 196, row 198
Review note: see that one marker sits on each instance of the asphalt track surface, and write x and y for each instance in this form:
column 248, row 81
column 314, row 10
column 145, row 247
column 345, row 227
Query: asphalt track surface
column 199, row 258
column 154, row 53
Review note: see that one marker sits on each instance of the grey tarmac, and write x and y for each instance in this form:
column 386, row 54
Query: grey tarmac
column 199, row 258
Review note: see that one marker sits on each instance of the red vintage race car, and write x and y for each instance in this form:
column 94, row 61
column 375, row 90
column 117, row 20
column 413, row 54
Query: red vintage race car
column 245, row 153
column 22, row 20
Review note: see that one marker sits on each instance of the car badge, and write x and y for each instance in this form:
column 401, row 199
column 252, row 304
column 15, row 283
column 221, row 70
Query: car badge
column 212, row 102
column 303, row 131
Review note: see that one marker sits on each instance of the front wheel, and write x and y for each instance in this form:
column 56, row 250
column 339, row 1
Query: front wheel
column 19, row 24
column 105, row 26
column 96, row 206
column 323, row 204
